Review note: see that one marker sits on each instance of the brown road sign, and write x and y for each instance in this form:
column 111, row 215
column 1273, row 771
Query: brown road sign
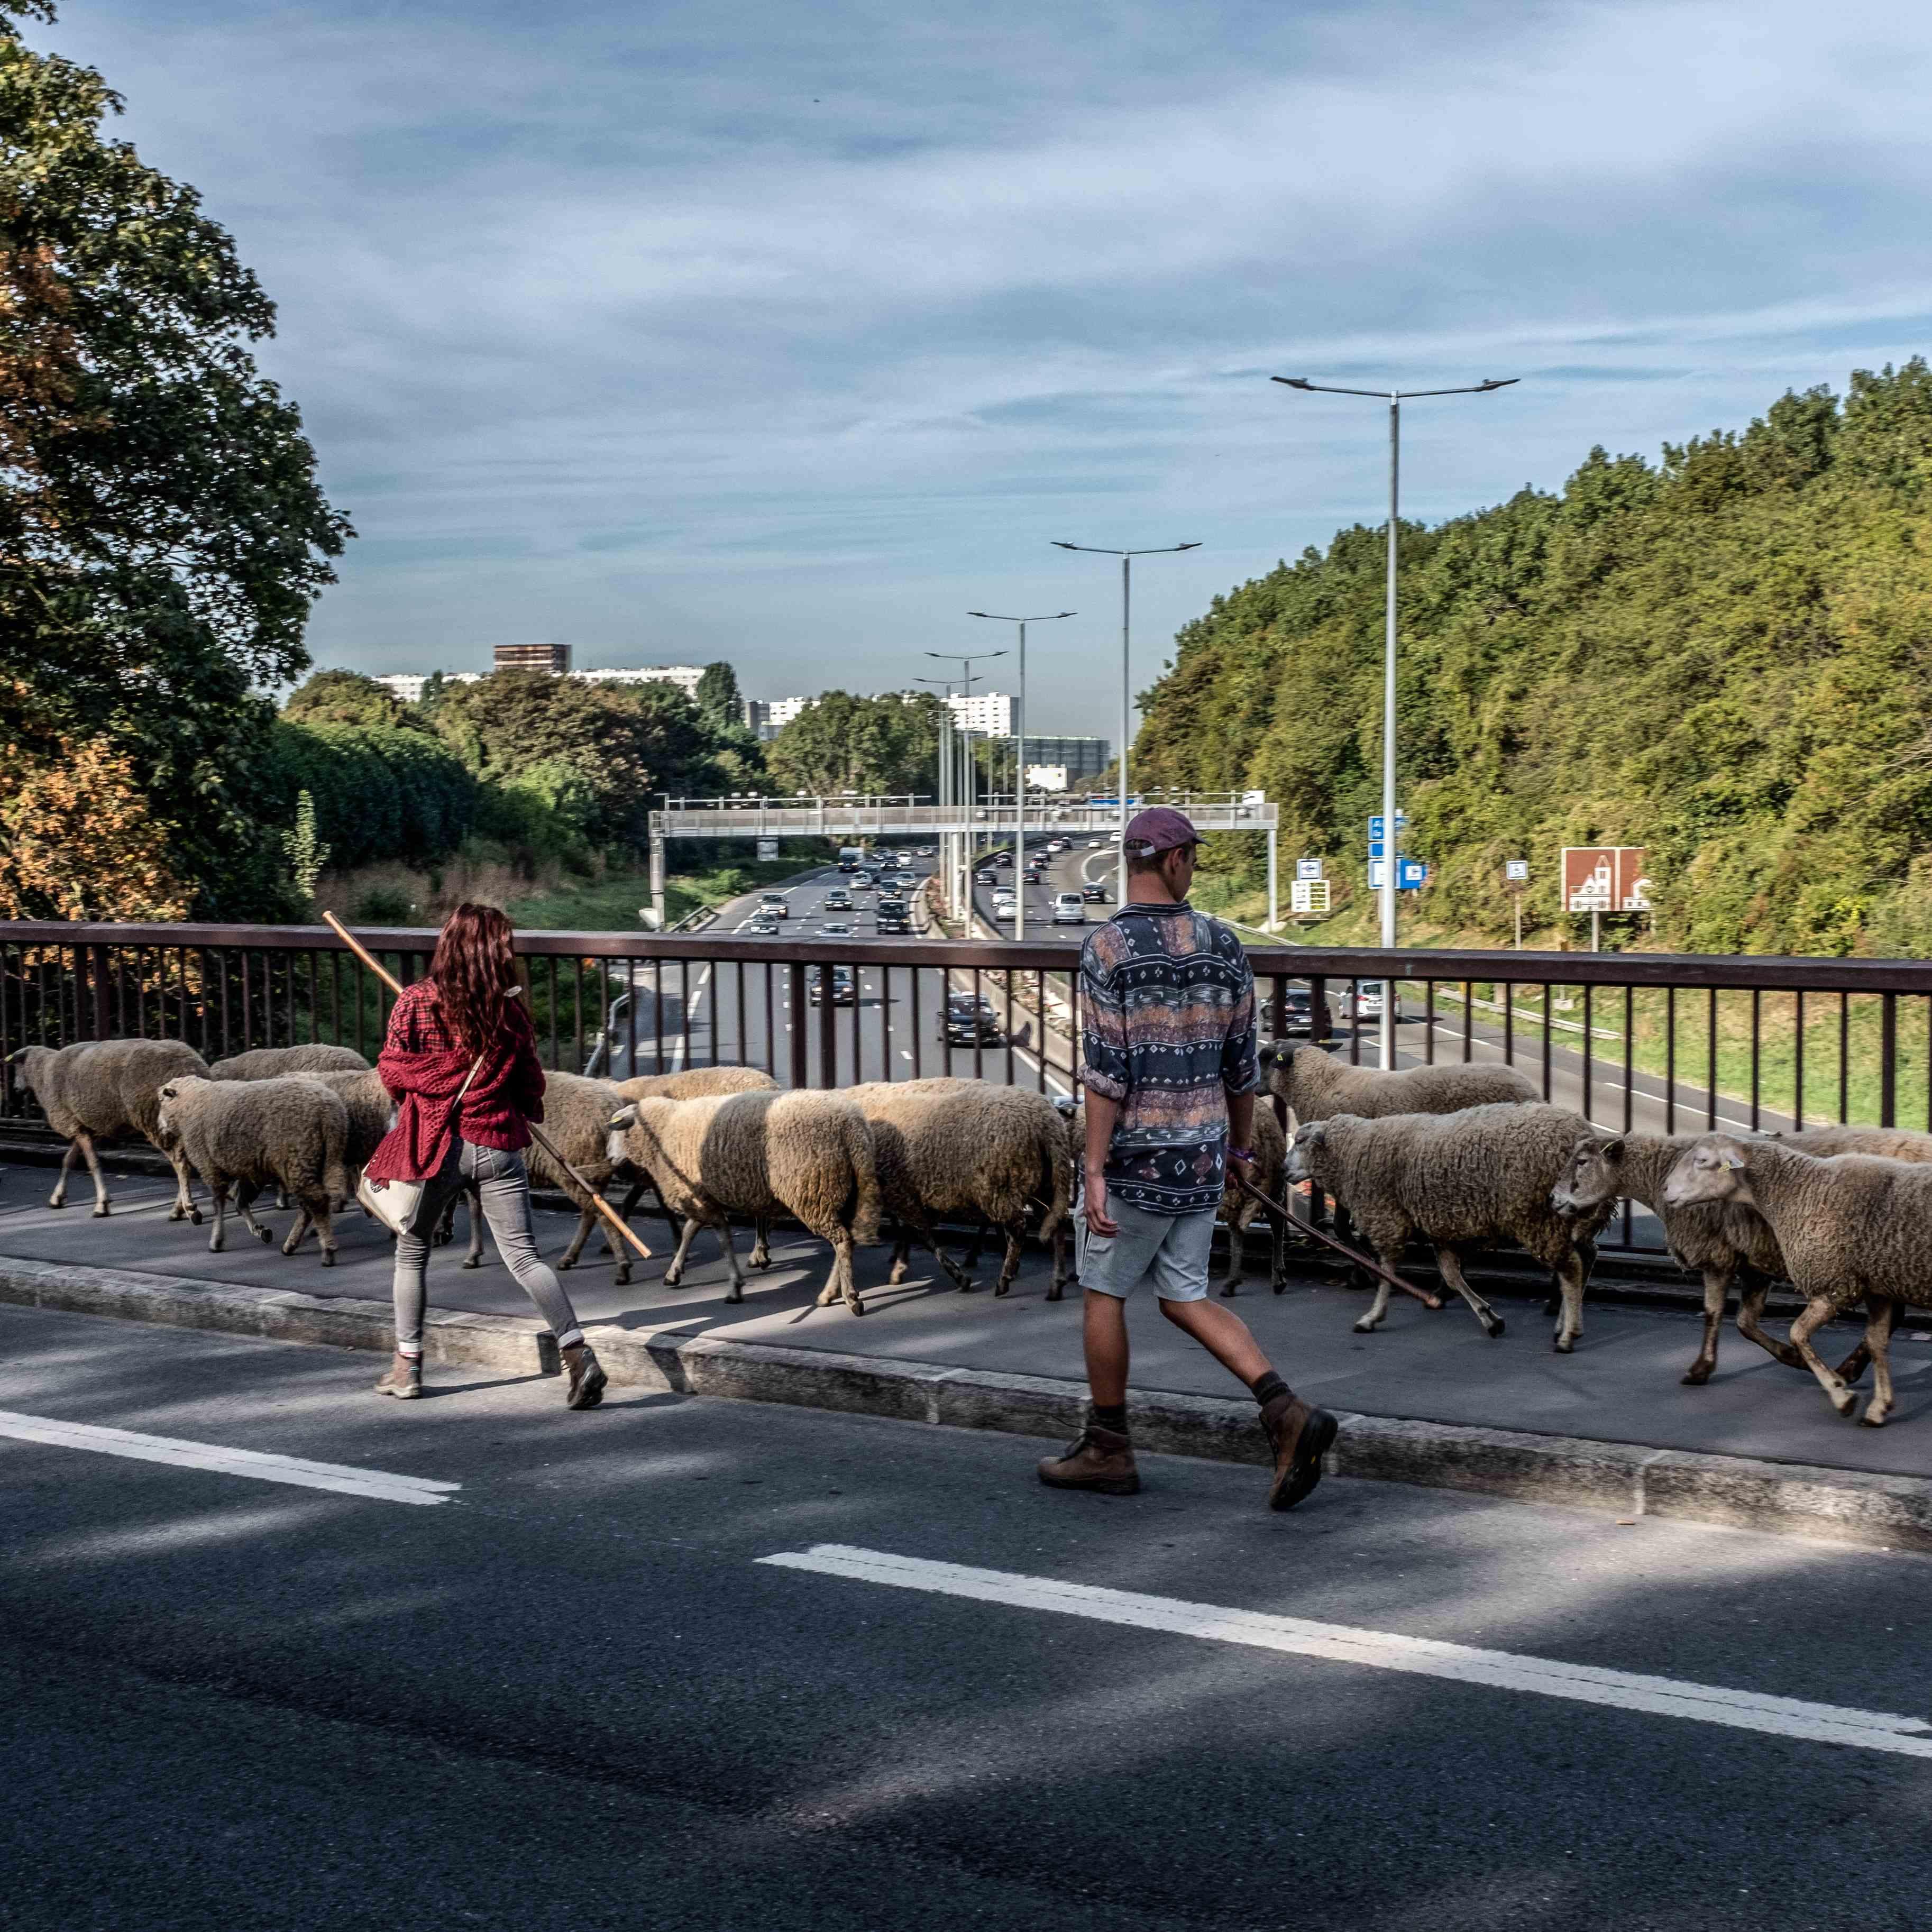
column 1605, row 878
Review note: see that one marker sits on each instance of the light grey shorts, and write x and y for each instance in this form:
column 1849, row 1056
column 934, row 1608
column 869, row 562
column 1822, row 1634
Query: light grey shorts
column 1170, row 1250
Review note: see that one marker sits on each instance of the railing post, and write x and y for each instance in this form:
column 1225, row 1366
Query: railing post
column 800, row 1071
column 1887, row 1071
column 103, row 1025
column 828, row 1026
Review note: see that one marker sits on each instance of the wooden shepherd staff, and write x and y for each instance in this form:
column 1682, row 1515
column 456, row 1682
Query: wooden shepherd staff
column 537, row 1134
column 1275, row 1212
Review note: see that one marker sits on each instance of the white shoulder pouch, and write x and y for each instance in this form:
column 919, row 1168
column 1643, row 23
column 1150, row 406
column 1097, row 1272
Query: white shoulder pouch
column 395, row 1203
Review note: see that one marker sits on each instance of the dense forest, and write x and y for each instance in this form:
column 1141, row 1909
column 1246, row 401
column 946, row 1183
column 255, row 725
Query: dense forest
column 1723, row 656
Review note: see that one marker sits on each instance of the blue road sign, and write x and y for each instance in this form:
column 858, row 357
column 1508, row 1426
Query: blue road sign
column 1410, row 874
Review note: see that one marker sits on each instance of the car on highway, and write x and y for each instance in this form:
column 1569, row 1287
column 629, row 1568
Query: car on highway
column 845, row 988
column 1297, row 1011
column 1059, row 845
column 926, row 851
column 893, row 916
column 1069, row 909
column 1031, row 875
column 1364, row 1002
column 864, row 879
column 838, row 900
column 836, row 928
column 763, row 925
column 1003, row 858
column 775, row 905
column 985, row 875
column 1094, row 893
column 970, row 1021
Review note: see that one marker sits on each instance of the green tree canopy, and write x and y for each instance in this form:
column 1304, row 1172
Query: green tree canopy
column 162, row 535
column 839, row 742
column 1725, row 657
column 718, row 699
column 349, row 697
column 380, row 791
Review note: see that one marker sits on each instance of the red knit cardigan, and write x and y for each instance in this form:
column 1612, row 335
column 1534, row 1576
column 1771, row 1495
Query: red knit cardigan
column 423, row 1068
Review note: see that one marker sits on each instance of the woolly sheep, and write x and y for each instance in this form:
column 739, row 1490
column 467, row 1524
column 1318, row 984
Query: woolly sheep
column 1725, row 1241
column 109, row 1087
column 274, row 1062
column 807, row 1154
column 1318, row 1085
column 1238, row 1208
column 947, row 1146
column 291, row 1132
column 1459, row 1181
column 1851, row 1227
column 693, row 1083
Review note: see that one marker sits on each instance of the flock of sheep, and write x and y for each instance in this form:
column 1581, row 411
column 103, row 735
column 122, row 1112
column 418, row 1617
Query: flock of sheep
column 1458, row 1157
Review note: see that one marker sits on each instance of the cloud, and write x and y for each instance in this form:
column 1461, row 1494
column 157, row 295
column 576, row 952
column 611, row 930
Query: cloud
column 788, row 335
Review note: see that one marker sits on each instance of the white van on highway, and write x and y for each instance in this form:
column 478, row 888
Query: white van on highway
column 1069, row 909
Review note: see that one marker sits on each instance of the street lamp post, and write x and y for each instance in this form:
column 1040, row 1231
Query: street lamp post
column 1391, row 847
column 1019, row 765
column 1126, row 557
column 968, row 678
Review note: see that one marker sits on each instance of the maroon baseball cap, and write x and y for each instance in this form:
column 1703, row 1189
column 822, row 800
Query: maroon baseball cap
column 1159, row 828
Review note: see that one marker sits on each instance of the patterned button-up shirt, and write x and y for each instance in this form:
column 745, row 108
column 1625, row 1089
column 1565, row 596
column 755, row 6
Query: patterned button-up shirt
column 1169, row 1033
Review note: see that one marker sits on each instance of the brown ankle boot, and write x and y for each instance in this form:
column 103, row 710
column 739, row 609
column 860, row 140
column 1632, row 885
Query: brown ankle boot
column 1100, row 1458
column 1300, row 1436
column 404, row 1378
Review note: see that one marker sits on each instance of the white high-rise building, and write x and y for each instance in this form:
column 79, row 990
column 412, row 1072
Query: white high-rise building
column 989, row 715
column 769, row 716
column 408, row 684
column 685, row 676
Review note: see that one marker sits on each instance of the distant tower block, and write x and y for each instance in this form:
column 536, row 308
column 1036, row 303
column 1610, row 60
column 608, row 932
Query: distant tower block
column 553, row 658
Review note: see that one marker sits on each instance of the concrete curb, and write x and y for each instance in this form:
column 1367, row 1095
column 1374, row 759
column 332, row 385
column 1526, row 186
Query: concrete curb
column 1627, row 1479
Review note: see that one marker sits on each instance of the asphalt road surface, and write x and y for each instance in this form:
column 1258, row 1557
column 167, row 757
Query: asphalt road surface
column 688, row 1664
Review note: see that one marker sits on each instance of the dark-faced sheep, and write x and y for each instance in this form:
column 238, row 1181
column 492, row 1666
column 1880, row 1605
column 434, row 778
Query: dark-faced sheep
column 106, row 1088
column 1726, row 1242
column 290, row 1133
column 949, row 1147
column 1851, row 1227
column 808, row 1154
column 1459, row 1182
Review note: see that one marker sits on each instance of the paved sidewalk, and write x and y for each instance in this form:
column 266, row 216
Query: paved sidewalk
column 1621, row 1386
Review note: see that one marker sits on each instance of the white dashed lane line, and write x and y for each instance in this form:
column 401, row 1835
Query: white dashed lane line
column 378, row 1485
column 1380, row 1650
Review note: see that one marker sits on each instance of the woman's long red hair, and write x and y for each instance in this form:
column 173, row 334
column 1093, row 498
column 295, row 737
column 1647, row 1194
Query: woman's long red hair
column 475, row 969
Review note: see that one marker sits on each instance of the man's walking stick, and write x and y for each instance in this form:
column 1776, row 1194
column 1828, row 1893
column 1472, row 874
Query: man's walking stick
column 1276, row 1213
column 537, row 1134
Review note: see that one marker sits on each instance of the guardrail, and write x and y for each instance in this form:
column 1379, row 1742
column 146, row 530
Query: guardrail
column 1673, row 1042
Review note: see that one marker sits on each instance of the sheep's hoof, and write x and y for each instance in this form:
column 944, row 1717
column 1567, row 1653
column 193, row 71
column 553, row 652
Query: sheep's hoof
column 622, row 1277
column 898, row 1275
column 1279, row 1287
column 56, row 1201
column 472, row 1260
column 329, row 1258
column 290, row 1247
column 177, row 1213
column 1055, row 1293
column 1493, row 1327
column 1845, row 1403
column 265, row 1235
column 564, row 1261
column 737, row 1294
column 216, row 1245
column 1366, row 1326
column 857, row 1307
column 194, row 1215
column 1564, row 1344
column 101, row 1213
column 1697, row 1375
column 760, row 1258
column 1000, row 1289
column 1868, row 1421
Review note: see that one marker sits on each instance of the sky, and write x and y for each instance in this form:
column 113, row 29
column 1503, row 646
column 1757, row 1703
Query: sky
column 789, row 335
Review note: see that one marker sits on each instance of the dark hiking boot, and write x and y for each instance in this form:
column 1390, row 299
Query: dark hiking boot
column 586, row 1378
column 1099, row 1459
column 404, row 1380
column 1300, row 1436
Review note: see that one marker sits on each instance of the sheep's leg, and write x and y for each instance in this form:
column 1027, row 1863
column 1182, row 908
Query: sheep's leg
column 674, row 1274
column 1451, row 1263
column 842, row 1282
column 1750, row 1322
column 901, row 1257
column 320, row 1212
column 217, row 1186
column 1815, row 1314
column 760, row 1256
column 58, row 1198
column 184, row 1209
column 1010, row 1263
column 472, row 1196
column 299, row 1232
column 94, row 1171
column 917, row 1224
column 1879, row 1316
column 1370, row 1322
column 245, row 1205
column 725, row 1242
column 1237, row 1230
column 587, row 1218
column 1716, row 1292
column 1574, row 1273
column 1060, row 1269
column 973, row 1248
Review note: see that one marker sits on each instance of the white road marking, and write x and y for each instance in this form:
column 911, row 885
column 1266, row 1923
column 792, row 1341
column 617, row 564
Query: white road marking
column 1381, row 1650
column 379, row 1485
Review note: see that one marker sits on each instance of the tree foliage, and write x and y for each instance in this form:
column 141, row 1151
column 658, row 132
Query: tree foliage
column 718, row 699
column 162, row 535
column 380, row 791
column 839, row 742
column 349, row 697
column 1725, row 657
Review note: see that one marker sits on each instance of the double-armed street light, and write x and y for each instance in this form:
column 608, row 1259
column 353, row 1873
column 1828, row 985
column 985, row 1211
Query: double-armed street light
column 1126, row 557
column 1391, row 857
column 1019, row 767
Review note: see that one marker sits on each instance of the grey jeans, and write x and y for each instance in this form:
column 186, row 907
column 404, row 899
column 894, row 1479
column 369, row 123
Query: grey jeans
column 505, row 1185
